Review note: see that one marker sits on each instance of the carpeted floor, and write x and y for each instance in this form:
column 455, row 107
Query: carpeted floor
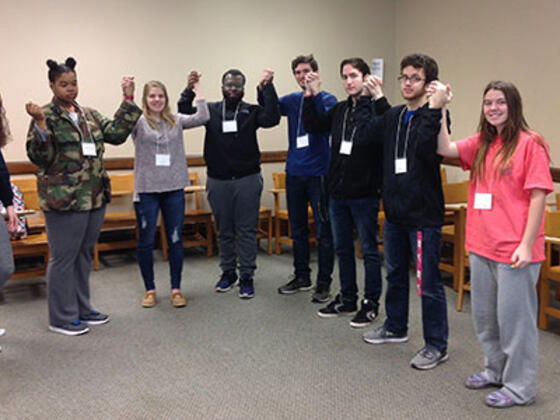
column 223, row 358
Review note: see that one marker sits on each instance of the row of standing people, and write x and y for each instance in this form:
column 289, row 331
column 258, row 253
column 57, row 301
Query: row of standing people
column 342, row 185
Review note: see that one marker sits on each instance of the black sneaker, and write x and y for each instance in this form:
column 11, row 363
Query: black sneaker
column 298, row 284
column 246, row 288
column 94, row 318
column 320, row 295
column 226, row 282
column 336, row 308
column 366, row 315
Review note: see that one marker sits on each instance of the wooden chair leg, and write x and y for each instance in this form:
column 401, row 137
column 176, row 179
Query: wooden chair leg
column 209, row 239
column 95, row 257
column 269, row 234
column 277, row 235
column 544, row 298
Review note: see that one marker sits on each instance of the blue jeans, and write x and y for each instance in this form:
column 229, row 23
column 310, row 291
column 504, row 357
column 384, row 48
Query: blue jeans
column 172, row 204
column 361, row 213
column 301, row 190
column 400, row 246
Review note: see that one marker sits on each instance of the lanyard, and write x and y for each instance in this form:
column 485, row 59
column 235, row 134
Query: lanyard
column 407, row 134
column 224, row 111
column 299, row 116
column 344, row 128
column 162, row 139
column 77, row 124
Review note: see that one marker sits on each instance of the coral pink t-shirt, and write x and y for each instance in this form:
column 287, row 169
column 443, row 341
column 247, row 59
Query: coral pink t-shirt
column 496, row 233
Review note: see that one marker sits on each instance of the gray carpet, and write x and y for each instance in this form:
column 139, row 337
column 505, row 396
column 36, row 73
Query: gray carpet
column 223, row 358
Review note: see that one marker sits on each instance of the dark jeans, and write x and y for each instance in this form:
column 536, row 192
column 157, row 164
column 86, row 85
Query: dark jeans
column 301, row 190
column 400, row 246
column 172, row 204
column 361, row 213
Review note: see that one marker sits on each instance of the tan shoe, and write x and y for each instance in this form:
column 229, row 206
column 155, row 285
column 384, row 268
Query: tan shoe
column 149, row 299
column 178, row 300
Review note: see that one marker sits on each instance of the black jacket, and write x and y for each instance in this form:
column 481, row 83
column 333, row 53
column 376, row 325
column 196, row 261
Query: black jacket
column 234, row 155
column 414, row 198
column 359, row 174
column 6, row 195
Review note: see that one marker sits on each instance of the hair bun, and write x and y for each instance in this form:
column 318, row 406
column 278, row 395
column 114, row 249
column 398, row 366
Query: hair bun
column 52, row 64
column 70, row 62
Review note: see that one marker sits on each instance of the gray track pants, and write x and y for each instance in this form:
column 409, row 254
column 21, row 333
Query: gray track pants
column 6, row 257
column 504, row 309
column 71, row 235
column 235, row 204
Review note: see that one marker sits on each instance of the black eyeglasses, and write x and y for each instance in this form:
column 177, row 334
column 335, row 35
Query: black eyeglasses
column 403, row 78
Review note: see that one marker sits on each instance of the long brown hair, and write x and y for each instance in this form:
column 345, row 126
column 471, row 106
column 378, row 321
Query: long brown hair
column 166, row 114
column 5, row 135
column 513, row 126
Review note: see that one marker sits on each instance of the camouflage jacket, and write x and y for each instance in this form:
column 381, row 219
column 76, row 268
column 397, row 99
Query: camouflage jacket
column 67, row 180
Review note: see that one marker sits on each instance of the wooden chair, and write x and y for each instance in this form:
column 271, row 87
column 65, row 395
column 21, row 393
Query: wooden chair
column 198, row 227
column 455, row 196
column 264, row 228
column 282, row 228
column 550, row 270
column 124, row 222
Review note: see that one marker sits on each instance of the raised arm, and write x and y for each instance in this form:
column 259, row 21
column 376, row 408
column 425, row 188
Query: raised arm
column 269, row 113
column 185, row 101
column 202, row 114
column 40, row 148
column 441, row 96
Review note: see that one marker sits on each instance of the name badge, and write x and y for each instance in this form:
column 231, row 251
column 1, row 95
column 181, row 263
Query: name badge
column 400, row 165
column 163, row 159
column 88, row 149
column 229, row 126
column 483, row 201
column 302, row 141
column 345, row 147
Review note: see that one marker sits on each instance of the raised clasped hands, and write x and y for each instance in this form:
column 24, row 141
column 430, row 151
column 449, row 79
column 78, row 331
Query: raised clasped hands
column 266, row 77
column 127, row 85
column 373, row 86
column 439, row 94
column 193, row 80
column 312, row 83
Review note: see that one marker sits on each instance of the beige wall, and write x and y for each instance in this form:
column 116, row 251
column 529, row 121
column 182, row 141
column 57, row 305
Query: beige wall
column 477, row 41
column 165, row 39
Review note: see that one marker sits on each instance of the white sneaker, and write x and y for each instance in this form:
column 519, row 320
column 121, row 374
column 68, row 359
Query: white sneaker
column 2, row 332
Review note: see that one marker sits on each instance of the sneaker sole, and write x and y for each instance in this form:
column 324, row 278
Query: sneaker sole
column 220, row 290
column 325, row 300
column 431, row 365
column 246, row 296
column 323, row 315
column 97, row 322
column 360, row 324
column 67, row 332
column 293, row 292
column 385, row 340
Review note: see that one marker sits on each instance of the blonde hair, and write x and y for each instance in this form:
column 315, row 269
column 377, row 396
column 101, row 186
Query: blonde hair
column 5, row 135
column 166, row 114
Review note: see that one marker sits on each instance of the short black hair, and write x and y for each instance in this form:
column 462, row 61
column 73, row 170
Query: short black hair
column 233, row 72
column 56, row 69
column 305, row 59
column 422, row 61
column 357, row 63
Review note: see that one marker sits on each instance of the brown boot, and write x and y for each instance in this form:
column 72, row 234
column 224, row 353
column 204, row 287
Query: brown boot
column 178, row 300
column 149, row 299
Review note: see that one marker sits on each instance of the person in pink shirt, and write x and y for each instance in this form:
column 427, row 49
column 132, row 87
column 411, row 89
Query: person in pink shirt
column 509, row 181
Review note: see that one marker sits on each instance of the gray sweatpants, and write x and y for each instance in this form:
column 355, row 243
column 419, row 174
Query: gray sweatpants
column 235, row 204
column 6, row 257
column 71, row 235
column 504, row 309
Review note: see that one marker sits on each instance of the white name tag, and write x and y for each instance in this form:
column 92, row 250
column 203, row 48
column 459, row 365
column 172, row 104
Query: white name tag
column 163, row 159
column 400, row 165
column 302, row 141
column 345, row 147
column 483, row 201
column 88, row 149
column 229, row 126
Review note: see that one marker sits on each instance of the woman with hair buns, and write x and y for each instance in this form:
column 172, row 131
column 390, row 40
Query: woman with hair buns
column 6, row 257
column 67, row 141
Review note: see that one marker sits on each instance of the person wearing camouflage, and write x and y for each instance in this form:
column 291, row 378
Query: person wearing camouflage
column 66, row 142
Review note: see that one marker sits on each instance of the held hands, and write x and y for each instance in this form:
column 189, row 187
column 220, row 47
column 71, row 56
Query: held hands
column 312, row 84
column 439, row 94
column 266, row 77
column 36, row 112
column 127, row 86
column 372, row 87
column 193, row 80
column 522, row 256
